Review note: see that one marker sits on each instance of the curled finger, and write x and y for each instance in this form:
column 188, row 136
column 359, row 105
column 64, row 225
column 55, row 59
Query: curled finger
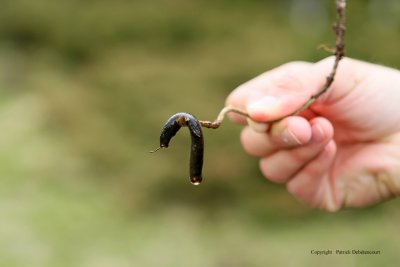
column 283, row 165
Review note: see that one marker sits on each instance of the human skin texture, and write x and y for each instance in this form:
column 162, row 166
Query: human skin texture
column 344, row 151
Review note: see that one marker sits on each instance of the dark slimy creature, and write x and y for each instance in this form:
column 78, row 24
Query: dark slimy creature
column 171, row 127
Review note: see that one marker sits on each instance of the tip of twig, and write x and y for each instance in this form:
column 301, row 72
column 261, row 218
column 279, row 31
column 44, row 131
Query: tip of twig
column 155, row 150
column 327, row 48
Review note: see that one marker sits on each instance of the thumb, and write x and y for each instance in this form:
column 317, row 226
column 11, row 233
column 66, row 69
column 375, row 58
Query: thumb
column 287, row 91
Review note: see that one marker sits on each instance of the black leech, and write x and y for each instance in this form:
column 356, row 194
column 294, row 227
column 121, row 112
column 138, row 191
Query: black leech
column 170, row 129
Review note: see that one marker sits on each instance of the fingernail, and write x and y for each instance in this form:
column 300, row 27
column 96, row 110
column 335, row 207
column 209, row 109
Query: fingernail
column 318, row 134
column 283, row 133
column 290, row 138
column 261, row 108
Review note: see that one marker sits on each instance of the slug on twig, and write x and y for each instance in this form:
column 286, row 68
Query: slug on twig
column 178, row 120
column 170, row 129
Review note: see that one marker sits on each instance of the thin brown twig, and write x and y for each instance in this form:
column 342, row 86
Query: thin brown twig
column 215, row 124
column 339, row 28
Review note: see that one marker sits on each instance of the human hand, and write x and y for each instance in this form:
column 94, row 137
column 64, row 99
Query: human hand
column 344, row 151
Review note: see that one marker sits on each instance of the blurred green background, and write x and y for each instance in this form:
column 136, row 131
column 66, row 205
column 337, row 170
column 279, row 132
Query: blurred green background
column 85, row 87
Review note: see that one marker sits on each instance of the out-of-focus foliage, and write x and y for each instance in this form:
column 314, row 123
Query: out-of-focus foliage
column 85, row 87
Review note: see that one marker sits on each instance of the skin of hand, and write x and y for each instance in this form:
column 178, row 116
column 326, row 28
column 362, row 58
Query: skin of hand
column 344, row 151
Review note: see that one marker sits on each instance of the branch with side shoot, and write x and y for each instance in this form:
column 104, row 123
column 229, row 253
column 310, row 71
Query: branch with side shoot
column 339, row 27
